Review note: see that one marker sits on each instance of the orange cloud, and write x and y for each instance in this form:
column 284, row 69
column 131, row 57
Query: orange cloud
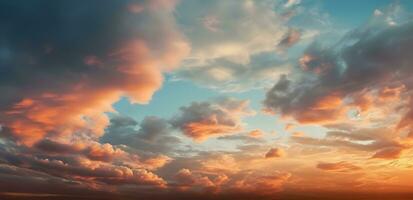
column 82, row 105
column 104, row 152
column 263, row 184
column 289, row 127
column 387, row 94
column 275, row 153
column 202, row 130
column 325, row 110
column 255, row 133
column 201, row 120
column 388, row 153
column 188, row 180
column 338, row 166
column 155, row 162
column 56, row 115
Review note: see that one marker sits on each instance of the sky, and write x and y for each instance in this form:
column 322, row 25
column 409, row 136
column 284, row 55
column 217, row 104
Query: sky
column 195, row 99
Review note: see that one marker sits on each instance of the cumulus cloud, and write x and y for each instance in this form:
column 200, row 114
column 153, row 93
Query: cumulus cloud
column 227, row 40
column 196, row 181
column 92, row 150
column 201, row 120
column 78, row 167
column 153, row 134
column 63, row 65
column 225, row 173
column 198, row 121
column 87, row 75
column 265, row 184
column 229, row 48
column 362, row 83
column 351, row 75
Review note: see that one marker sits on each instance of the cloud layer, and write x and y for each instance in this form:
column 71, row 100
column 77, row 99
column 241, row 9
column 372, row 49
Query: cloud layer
column 325, row 117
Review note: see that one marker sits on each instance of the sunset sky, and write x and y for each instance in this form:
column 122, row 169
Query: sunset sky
column 206, row 99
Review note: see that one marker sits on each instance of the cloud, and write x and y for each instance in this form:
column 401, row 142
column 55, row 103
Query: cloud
column 198, row 121
column 275, row 153
column 104, row 152
column 362, row 83
column 201, row 120
column 264, row 184
column 153, row 134
column 290, row 3
column 64, row 64
column 226, row 41
column 353, row 74
column 337, row 166
column 289, row 39
column 83, row 170
column 189, row 180
column 235, row 50
column 371, row 139
column 254, row 136
column 54, row 147
column 60, row 51
column 60, row 76
column 388, row 153
column 92, row 150
column 255, row 133
column 224, row 173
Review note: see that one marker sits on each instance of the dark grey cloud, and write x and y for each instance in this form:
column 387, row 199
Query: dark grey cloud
column 55, row 147
column 370, row 58
column 153, row 134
